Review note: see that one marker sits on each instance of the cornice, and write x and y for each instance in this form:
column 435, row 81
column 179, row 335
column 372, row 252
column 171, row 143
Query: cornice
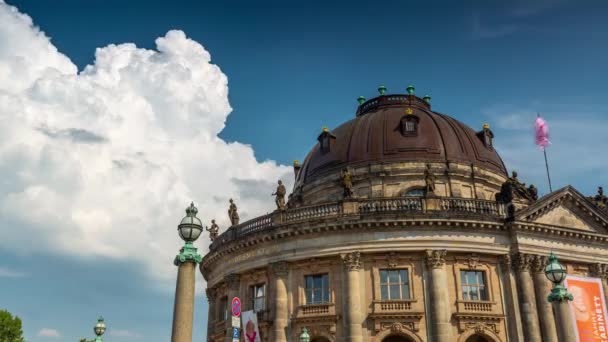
column 544, row 230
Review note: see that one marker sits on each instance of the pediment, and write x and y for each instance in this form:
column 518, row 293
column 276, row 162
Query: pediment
column 566, row 208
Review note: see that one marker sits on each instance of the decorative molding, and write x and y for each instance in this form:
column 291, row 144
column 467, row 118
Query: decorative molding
column 352, row 261
column 233, row 281
column 506, row 260
column 522, row 262
column 473, row 261
column 599, row 270
column 539, row 263
column 280, row 268
column 392, row 260
column 435, row 258
column 211, row 294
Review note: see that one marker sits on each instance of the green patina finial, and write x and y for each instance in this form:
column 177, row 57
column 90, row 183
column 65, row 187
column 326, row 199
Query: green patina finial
column 427, row 99
column 381, row 90
column 410, row 89
column 360, row 99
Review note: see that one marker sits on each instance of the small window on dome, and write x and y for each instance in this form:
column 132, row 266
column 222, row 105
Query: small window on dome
column 486, row 136
column 325, row 140
column 409, row 125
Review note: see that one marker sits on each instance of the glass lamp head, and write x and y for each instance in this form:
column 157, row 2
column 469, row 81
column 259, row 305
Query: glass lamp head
column 190, row 227
column 100, row 327
column 555, row 272
column 304, row 337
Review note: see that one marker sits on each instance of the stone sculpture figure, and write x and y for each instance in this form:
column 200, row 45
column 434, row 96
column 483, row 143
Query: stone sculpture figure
column 600, row 199
column 533, row 192
column 233, row 213
column 347, row 183
column 513, row 188
column 213, row 230
column 429, row 180
column 280, row 195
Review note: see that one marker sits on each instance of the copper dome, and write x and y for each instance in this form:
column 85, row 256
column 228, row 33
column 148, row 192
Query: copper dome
column 374, row 136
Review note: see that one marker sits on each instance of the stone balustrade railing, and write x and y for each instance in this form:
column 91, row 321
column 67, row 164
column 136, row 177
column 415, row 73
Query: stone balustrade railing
column 362, row 208
column 316, row 310
column 475, row 306
column 388, row 306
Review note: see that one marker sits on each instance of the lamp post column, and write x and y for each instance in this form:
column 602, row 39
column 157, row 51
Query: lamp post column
column 280, row 271
column 522, row 264
column 189, row 230
column 560, row 297
column 545, row 311
column 352, row 262
column 440, row 308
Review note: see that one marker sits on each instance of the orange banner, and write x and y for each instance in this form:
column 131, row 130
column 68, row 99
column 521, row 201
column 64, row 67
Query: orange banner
column 588, row 308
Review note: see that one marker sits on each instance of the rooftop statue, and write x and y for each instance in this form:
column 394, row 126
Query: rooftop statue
column 280, row 195
column 347, row 183
column 512, row 188
column 213, row 230
column 233, row 213
column 600, row 200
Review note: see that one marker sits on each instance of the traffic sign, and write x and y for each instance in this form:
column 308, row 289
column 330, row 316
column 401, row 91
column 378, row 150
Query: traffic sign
column 235, row 333
column 236, row 322
column 236, row 306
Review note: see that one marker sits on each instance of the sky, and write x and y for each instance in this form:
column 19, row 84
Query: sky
column 114, row 115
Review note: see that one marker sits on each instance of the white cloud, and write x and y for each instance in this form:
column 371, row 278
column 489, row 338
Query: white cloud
column 9, row 273
column 107, row 159
column 47, row 332
column 125, row 333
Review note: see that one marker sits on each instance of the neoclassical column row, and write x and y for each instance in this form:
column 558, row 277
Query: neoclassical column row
column 440, row 304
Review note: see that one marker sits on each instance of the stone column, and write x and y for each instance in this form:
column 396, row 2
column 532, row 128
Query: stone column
column 601, row 271
column 527, row 300
column 542, row 286
column 280, row 271
column 353, row 314
column 211, row 316
column 234, row 283
column 511, row 302
column 183, row 310
column 440, row 307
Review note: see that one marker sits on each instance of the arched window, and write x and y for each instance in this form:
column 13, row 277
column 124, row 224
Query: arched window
column 415, row 192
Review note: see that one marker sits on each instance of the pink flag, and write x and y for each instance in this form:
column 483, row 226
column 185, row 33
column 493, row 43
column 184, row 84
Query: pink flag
column 542, row 133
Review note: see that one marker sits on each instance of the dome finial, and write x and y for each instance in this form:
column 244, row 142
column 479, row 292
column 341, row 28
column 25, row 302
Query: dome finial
column 381, row 90
column 486, row 126
column 191, row 210
column 325, row 129
column 360, row 99
column 427, row 99
column 410, row 89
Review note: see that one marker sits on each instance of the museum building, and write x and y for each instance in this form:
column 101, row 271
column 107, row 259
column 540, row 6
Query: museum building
column 404, row 225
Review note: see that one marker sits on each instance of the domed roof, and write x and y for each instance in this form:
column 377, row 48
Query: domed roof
column 376, row 135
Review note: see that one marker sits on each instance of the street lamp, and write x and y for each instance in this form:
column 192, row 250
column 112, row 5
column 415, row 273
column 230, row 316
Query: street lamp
column 304, row 337
column 189, row 230
column 99, row 329
column 556, row 273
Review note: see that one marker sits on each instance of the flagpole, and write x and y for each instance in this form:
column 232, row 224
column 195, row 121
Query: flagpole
column 547, row 166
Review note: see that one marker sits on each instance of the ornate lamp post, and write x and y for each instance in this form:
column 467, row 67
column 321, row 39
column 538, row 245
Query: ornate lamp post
column 189, row 230
column 99, row 329
column 556, row 273
column 304, row 337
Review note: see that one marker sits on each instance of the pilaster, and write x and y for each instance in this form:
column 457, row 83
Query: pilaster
column 514, row 325
column 522, row 264
column 353, row 317
column 233, row 281
column 280, row 272
column 542, row 288
column 440, row 307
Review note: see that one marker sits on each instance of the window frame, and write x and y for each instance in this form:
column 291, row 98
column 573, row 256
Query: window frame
column 326, row 293
column 253, row 296
column 402, row 283
column 223, row 308
column 480, row 288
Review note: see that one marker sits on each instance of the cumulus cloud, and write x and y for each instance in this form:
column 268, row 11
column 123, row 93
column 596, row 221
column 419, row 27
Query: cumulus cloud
column 47, row 332
column 108, row 158
column 125, row 333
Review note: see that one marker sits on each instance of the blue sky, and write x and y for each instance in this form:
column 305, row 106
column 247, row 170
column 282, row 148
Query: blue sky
column 295, row 66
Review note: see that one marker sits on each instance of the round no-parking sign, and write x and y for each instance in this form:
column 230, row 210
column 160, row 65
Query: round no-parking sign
column 236, row 306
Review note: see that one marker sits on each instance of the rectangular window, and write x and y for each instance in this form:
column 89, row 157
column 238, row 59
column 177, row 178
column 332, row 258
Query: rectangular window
column 317, row 289
column 223, row 309
column 410, row 126
column 394, row 285
column 258, row 297
column 473, row 285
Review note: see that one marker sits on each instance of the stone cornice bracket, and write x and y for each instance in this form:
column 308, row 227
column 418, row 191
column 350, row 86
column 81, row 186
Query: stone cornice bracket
column 211, row 294
column 280, row 269
column 352, row 261
column 233, row 281
column 599, row 270
column 539, row 263
column 435, row 258
column 473, row 260
column 522, row 262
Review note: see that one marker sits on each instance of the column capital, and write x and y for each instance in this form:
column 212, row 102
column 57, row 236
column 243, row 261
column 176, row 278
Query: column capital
column 211, row 294
column 522, row 262
column 506, row 260
column 599, row 270
column 435, row 258
column 538, row 263
column 352, row 261
column 233, row 281
column 280, row 268
column 187, row 254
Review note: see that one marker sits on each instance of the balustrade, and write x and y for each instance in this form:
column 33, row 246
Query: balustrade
column 380, row 205
column 310, row 212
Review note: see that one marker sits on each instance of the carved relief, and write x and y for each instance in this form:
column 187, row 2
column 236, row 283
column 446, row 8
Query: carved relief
column 399, row 327
column 392, row 260
column 506, row 260
column 599, row 270
column 522, row 262
column 473, row 261
column 352, row 261
column 539, row 263
column 435, row 258
column 233, row 281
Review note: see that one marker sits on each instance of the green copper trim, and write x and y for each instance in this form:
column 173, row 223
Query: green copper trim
column 360, row 99
column 382, row 90
column 187, row 254
column 98, row 339
column 427, row 99
column 559, row 294
column 410, row 90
